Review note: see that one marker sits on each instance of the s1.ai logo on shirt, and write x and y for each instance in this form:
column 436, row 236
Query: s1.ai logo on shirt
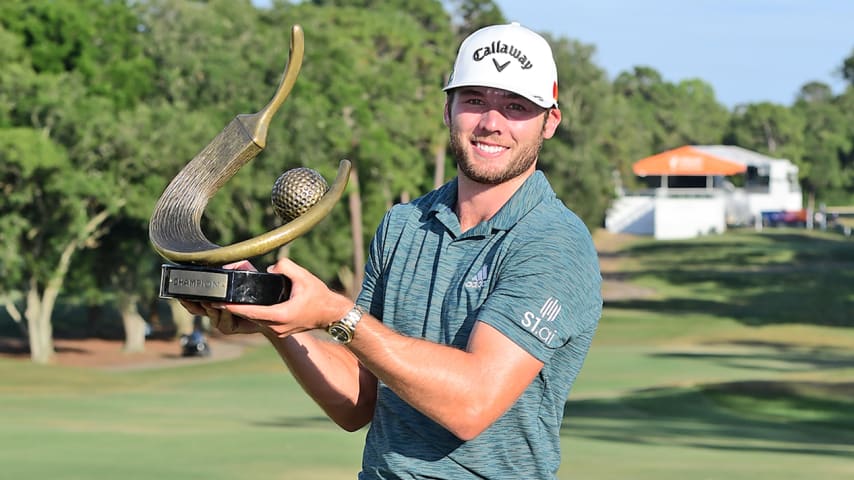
column 540, row 323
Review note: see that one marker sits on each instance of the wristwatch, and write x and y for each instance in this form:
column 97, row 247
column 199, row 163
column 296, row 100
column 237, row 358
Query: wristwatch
column 342, row 331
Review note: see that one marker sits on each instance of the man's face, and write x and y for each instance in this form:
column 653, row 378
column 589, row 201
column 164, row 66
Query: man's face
column 496, row 135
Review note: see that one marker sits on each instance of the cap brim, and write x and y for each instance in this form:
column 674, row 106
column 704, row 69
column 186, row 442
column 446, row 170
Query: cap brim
column 548, row 103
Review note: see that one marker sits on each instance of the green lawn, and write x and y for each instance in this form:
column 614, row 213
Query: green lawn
column 740, row 366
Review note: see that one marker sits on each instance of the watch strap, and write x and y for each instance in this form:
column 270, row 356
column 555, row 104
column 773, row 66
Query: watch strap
column 344, row 329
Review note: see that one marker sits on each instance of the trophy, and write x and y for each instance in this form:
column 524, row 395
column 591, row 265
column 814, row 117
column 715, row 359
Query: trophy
column 300, row 197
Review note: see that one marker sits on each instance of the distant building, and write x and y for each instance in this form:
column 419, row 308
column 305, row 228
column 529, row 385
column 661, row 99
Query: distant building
column 689, row 192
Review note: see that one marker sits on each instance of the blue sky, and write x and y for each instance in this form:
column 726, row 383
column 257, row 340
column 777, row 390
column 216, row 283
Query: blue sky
column 748, row 50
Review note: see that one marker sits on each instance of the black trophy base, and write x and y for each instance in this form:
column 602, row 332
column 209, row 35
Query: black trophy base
column 212, row 284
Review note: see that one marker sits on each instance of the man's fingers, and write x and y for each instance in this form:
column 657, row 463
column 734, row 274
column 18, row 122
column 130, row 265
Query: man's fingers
column 288, row 268
column 193, row 307
column 241, row 265
column 213, row 314
column 225, row 321
column 252, row 312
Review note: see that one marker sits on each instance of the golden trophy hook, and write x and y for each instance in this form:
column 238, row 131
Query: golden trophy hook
column 175, row 226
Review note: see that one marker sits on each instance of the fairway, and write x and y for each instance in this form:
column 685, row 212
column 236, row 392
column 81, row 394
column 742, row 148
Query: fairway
column 731, row 357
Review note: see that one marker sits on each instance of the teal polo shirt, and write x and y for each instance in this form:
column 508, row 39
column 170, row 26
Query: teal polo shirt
column 532, row 273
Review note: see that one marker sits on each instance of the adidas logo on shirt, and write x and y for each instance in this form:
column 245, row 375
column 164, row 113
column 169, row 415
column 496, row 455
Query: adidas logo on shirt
column 479, row 279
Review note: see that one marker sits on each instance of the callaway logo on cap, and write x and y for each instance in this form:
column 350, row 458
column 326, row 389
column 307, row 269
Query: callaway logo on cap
column 509, row 57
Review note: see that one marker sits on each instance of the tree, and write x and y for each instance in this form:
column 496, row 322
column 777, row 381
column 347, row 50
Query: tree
column 768, row 128
column 472, row 15
column 578, row 168
column 696, row 116
column 847, row 69
column 825, row 141
column 686, row 113
column 91, row 37
column 370, row 91
column 73, row 68
column 845, row 104
column 48, row 215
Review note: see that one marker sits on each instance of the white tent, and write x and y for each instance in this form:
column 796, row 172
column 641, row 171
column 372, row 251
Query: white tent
column 678, row 207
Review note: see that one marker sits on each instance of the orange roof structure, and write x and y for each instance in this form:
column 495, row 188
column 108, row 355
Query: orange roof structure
column 687, row 160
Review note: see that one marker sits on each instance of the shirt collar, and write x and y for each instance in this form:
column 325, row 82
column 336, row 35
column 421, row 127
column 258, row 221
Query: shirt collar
column 533, row 191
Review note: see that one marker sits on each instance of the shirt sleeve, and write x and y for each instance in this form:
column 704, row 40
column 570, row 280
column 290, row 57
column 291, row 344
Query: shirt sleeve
column 547, row 291
column 372, row 292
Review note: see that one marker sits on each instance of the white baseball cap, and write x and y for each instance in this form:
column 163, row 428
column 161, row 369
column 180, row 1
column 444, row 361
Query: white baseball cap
column 510, row 57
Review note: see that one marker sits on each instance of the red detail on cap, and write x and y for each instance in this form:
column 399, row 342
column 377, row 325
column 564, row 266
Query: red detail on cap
column 554, row 91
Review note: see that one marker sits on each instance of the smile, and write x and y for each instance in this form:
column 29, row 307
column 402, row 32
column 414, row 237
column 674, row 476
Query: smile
column 490, row 149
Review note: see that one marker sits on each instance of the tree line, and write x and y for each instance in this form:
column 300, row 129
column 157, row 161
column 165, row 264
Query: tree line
column 102, row 102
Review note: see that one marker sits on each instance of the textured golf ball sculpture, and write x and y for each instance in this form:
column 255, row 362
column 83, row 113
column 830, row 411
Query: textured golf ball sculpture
column 295, row 191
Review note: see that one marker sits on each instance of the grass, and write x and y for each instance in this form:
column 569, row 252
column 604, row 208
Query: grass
column 740, row 366
column 230, row 420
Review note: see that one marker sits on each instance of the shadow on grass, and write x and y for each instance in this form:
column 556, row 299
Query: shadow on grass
column 311, row 422
column 757, row 279
column 749, row 248
column 765, row 308
column 785, row 417
column 770, row 356
column 19, row 347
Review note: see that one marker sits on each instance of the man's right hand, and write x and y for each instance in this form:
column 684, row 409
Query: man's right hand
column 222, row 319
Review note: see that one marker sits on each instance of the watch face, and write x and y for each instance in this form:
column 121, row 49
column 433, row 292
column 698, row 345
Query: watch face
column 340, row 333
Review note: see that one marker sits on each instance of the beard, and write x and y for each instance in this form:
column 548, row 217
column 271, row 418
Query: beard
column 520, row 161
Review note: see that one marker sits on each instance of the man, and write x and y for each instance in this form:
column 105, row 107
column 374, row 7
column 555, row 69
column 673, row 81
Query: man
column 480, row 298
